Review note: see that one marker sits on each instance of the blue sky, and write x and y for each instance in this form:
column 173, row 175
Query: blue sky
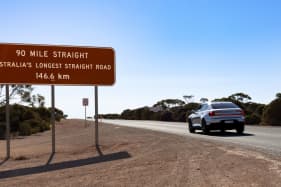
column 164, row 49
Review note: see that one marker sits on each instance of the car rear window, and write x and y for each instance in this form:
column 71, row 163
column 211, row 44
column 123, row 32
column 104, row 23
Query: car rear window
column 223, row 105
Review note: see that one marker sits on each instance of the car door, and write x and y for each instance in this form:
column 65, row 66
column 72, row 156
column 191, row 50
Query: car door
column 196, row 116
column 200, row 113
column 203, row 112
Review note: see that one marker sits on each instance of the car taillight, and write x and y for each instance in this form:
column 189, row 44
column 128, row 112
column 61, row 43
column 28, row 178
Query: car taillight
column 212, row 113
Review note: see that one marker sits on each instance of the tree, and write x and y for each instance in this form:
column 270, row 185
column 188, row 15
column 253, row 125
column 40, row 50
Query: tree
column 278, row 95
column 38, row 100
column 222, row 99
column 241, row 97
column 169, row 103
column 204, row 100
column 188, row 98
column 21, row 92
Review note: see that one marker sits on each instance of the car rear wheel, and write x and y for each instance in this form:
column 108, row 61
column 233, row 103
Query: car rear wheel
column 204, row 127
column 240, row 129
column 191, row 128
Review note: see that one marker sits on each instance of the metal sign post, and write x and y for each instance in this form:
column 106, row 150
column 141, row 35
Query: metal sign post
column 7, row 122
column 85, row 103
column 85, row 116
column 96, row 117
column 53, row 119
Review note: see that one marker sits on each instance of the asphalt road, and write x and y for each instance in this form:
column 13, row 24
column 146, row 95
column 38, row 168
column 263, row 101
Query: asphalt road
column 259, row 137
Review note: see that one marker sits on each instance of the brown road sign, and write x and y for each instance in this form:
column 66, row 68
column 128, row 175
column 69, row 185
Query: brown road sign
column 51, row 64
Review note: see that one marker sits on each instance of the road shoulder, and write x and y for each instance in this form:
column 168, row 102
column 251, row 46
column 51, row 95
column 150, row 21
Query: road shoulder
column 154, row 159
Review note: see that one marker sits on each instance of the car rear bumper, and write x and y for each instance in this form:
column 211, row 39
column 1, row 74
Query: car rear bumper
column 225, row 124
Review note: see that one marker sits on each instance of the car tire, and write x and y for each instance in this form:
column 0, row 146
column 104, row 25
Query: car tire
column 240, row 129
column 204, row 127
column 190, row 127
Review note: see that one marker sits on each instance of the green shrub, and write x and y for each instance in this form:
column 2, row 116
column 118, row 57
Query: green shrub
column 44, row 113
column 156, row 116
column 166, row 116
column 25, row 129
column 35, row 125
column 26, row 120
column 2, row 113
column 35, row 130
column 252, row 119
column 29, row 127
column 58, row 114
column 2, row 130
column 44, row 126
column 272, row 113
column 29, row 114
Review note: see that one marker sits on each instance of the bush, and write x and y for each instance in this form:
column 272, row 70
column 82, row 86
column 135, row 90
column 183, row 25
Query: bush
column 156, row 116
column 58, row 114
column 35, row 130
column 252, row 119
column 2, row 114
column 127, row 114
column 16, row 113
column 27, row 120
column 29, row 114
column 166, row 116
column 44, row 113
column 272, row 114
column 110, row 116
column 44, row 126
column 146, row 114
column 33, row 126
column 2, row 130
column 25, row 129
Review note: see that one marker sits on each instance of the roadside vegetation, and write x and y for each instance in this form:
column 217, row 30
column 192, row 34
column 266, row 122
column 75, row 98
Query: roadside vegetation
column 178, row 110
column 28, row 117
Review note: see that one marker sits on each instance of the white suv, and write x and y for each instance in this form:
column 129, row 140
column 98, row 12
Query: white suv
column 217, row 116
